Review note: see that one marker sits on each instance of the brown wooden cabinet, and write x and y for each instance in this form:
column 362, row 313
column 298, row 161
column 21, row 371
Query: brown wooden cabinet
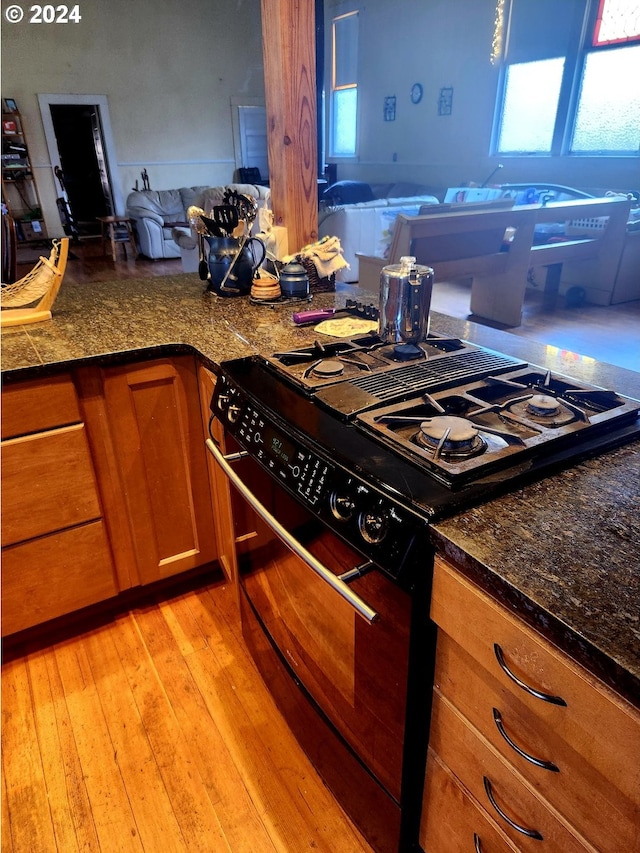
column 549, row 754
column 238, row 528
column 219, row 485
column 105, row 486
column 157, row 438
column 56, row 556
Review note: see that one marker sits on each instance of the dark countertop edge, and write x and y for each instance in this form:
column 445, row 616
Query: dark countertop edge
column 567, row 639
column 107, row 359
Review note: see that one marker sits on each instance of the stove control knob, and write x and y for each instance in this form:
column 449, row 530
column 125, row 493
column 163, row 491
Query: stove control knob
column 373, row 526
column 233, row 412
column 342, row 506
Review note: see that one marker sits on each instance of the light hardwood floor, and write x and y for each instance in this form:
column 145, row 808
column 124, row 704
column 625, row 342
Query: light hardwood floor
column 154, row 732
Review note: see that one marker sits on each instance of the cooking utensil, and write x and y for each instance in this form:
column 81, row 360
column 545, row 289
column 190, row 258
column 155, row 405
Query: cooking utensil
column 246, row 205
column 222, row 221
column 357, row 309
column 194, row 217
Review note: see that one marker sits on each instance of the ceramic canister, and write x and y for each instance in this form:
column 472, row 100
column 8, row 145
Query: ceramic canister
column 294, row 282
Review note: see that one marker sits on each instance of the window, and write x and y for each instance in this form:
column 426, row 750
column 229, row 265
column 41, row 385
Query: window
column 344, row 85
column 570, row 81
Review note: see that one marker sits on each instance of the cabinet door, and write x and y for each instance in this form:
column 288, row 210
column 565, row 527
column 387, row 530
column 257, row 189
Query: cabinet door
column 238, row 528
column 220, row 489
column 156, row 425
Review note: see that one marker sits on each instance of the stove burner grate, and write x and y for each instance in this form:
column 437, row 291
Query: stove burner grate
column 426, row 375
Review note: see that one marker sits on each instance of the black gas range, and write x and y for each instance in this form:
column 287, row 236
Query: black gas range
column 434, row 428
column 371, row 443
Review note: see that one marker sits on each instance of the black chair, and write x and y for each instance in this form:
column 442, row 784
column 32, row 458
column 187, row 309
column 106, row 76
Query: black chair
column 251, row 175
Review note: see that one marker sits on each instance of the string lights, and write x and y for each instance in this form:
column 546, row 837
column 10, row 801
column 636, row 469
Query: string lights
column 498, row 32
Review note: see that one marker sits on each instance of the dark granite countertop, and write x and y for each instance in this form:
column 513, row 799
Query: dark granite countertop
column 564, row 553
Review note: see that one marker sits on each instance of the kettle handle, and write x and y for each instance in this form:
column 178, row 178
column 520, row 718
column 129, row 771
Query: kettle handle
column 256, row 264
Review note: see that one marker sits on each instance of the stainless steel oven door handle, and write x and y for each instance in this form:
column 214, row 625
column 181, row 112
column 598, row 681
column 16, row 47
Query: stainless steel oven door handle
column 338, row 585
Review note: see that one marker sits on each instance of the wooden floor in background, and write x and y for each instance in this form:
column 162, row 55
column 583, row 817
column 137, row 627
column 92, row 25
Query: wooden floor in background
column 154, row 732
column 87, row 263
column 608, row 333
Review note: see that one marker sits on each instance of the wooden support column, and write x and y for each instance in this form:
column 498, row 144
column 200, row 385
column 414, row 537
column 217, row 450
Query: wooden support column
column 288, row 44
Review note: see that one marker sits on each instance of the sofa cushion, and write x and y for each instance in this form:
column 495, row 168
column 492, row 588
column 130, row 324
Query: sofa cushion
column 401, row 201
column 365, row 229
column 189, row 195
column 164, row 203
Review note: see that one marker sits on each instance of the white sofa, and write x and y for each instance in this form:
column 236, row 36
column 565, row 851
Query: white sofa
column 160, row 216
column 366, row 228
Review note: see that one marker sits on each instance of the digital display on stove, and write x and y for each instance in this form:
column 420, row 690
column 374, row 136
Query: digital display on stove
column 277, row 446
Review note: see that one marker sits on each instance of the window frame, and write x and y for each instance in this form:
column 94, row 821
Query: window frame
column 575, row 60
column 335, row 88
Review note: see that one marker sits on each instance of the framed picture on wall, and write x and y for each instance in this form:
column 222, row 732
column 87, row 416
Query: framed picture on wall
column 390, row 108
column 9, row 106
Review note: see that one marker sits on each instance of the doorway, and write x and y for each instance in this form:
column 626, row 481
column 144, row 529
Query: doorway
column 80, row 143
column 78, row 133
column 253, row 138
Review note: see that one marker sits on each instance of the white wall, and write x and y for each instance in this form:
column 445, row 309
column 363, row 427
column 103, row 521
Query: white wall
column 444, row 43
column 170, row 71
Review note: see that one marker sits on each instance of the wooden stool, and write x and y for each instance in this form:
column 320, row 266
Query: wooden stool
column 118, row 229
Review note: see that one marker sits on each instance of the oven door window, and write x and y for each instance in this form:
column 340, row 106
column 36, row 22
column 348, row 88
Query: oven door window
column 355, row 670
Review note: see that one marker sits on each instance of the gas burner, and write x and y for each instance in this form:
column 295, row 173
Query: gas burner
column 542, row 405
column 407, row 352
column 327, row 367
column 543, row 409
column 450, row 437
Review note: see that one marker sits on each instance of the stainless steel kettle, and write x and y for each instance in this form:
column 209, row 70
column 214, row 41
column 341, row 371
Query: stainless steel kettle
column 405, row 301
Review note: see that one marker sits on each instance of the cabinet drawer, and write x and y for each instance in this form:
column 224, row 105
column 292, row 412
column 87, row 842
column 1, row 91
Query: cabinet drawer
column 48, row 484
column 39, row 405
column 472, row 759
column 451, row 821
column 587, row 799
column 54, row 575
column 597, row 724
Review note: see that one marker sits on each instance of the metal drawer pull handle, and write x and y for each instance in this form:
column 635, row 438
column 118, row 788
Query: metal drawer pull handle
column 546, row 697
column 530, row 833
column 477, row 843
column 338, row 585
column 539, row 762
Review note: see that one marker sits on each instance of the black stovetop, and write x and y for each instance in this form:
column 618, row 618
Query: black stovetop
column 367, row 421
